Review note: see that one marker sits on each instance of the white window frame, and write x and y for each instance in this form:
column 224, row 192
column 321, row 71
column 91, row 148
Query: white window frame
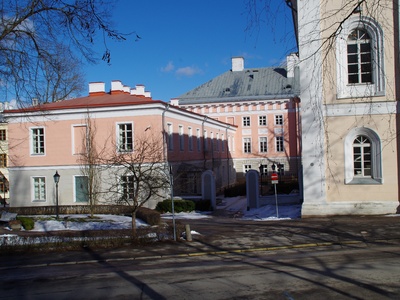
column 279, row 144
column 121, row 186
column 376, row 157
column 190, row 139
column 246, row 121
column 198, row 139
column 278, row 120
column 35, row 150
column 377, row 87
column 261, row 141
column 181, row 138
column 262, row 120
column 41, row 198
column 247, row 145
column 119, row 143
column 246, row 168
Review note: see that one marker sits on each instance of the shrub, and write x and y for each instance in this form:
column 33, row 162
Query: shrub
column 26, row 222
column 179, row 206
column 148, row 215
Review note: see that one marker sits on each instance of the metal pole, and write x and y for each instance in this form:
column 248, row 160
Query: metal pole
column 57, row 200
column 276, row 202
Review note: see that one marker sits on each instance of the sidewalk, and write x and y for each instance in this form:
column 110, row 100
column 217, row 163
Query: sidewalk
column 220, row 235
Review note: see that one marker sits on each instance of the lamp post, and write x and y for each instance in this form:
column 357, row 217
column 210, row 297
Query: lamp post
column 261, row 174
column 56, row 180
column 3, row 180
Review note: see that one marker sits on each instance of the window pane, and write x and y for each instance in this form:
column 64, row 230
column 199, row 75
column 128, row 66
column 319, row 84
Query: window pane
column 366, row 78
column 351, row 49
column 353, row 69
column 365, row 47
column 351, row 59
column 353, row 78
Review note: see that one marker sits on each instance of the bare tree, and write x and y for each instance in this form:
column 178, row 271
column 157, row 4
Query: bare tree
column 90, row 158
column 40, row 38
column 139, row 175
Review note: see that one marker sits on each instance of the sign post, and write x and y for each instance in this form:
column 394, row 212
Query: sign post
column 274, row 181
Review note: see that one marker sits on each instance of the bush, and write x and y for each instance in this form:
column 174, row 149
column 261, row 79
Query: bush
column 148, row 215
column 179, row 206
column 26, row 222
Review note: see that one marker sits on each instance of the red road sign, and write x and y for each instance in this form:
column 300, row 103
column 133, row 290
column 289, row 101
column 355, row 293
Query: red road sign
column 274, row 176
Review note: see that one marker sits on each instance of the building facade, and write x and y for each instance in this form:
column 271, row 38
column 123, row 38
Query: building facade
column 54, row 137
column 263, row 104
column 349, row 77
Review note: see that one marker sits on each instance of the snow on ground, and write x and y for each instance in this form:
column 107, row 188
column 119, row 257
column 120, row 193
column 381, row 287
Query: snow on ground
column 236, row 205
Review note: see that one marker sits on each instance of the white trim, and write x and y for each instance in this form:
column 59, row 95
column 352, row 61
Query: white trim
column 360, row 109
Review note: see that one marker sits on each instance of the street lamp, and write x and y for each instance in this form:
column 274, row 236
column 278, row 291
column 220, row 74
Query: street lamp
column 261, row 174
column 3, row 180
column 56, row 180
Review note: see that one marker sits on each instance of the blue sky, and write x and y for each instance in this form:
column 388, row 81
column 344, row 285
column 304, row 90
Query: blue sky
column 186, row 43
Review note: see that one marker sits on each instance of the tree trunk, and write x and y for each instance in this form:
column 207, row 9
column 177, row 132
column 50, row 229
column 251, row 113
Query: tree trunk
column 134, row 224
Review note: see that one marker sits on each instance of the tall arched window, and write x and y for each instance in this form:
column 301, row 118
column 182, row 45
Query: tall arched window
column 362, row 156
column 359, row 58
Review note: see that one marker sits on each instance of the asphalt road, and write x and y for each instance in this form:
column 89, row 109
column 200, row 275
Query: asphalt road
column 332, row 272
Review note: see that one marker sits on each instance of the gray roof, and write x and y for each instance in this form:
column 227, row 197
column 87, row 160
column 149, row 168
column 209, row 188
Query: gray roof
column 259, row 83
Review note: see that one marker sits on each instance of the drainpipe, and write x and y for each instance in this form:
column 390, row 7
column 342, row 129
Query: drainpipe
column 227, row 152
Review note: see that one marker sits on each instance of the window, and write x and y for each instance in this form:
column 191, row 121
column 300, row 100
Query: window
column 363, row 161
column 359, row 52
column 264, row 169
column 205, row 140
column 170, row 137
column 39, row 189
column 262, row 120
column 81, row 189
column 279, row 144
column 190, row 139
column 359, row 57
column 246, row 121
column 181, row 139
column 198, row 139
column 362, row 156
column 246, row 168
column 247, row 145
column 127, row 188
column 125, row 137
column 263, row 144
column 3, row 135
column 37, row 141
column 278, row 120
column 3, row 160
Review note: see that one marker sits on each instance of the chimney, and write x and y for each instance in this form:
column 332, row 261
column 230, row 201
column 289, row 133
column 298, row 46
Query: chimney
column 97, row 88
column 139, row 90
column 35, row 102
column 291, row 63
column 237, row 63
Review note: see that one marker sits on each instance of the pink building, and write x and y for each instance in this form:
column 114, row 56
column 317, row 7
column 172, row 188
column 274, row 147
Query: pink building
column 52, row 137
column 263, row 104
